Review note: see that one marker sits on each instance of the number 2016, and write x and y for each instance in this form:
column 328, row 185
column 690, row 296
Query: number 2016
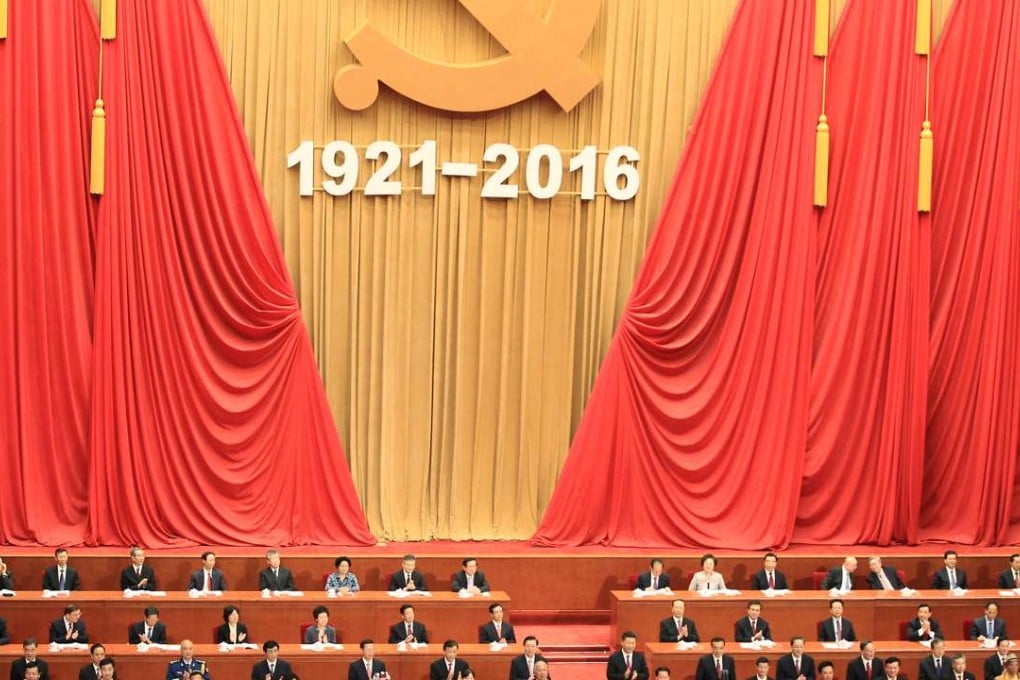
column 341, row 166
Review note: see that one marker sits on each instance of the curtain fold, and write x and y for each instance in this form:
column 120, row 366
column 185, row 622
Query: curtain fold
column 210, row 423
column 47, row 222
column 974, row 378
column 704, row 389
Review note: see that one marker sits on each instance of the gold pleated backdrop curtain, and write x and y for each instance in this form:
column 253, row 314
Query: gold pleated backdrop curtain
column 458, row 338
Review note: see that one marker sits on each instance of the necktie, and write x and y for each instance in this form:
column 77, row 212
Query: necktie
column 796, row 664
column 409, row 629
column 938, row 666
column 272, row 667
column 952, row 579
column 867, row 665
column 498, row 628
column 839, row 631
column 754, row 625
column 886, row 585
column 276, row 573
column 449, row 667
column 718, row 667
column 846, row 581
column 60, row 582
column 626, row 658
column 368, row 669
column 148, row 632
column 531, row 665
column 208, row 580
column 407, row 578
column 772, row 582
column 989, row 622
column 655, row 583
column 138, row 571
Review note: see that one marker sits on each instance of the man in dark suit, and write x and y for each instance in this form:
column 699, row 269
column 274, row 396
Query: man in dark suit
column 653, row 579
column 150, row 631
column 796, row 665
column 891, row 669
column 995, row 664
column 923, row 627
column 841, row 577
column 407, row 578
column 31, row 671
column 137, row 575
column 826, row 671
column 935, row 666
column 836, row 628
column 949, row 577
column 272, row 667
column 449, row 667
column 761, row 669
column 989, row 625
column 883, row 578
column 866, row 666
column 30, row 647
column 768, row 578
column 60, row 576
column 90, row 671
column 523, row 667
column 69, row 627
column 752, row 627
column 208, row 578
column 469, row 578
column 367, row 667
column 625, row 663
column 407, row 629
column 677, row 628
column 960, row 671
column 1010, row 578
column 717, row 665
column 496, row 630
column 275, row 577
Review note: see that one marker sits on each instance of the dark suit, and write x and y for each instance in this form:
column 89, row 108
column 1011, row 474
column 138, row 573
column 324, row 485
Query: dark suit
column 487, row 633
column 980, row 627
column 357, row 670
column 926, row 669
column 519, row 667
column 18, row 669
column 941, row 579
column 967, row 675
column 223, row 633
column 197, row 580
column 1006, row 580
column 834, row 579
column 706, row 669
column 7, row 581
column 397, row 581
column 398, row 632
column 617, row 666
column 644, row 580
column 260, row 670
column 460, row 581
column 914, row 630
column 742, row 631
column 129, row 580
column 438, row 671
column 88, row 672
column 58, row 631
column 50, row 580
column 890, row 573
column 283, row 580
column 670, row 632
column 993, row 667
column 787, row 670
column 760, row 581
column 136, row 631
column 827, row 630
column 857, row 670
column 4, row 635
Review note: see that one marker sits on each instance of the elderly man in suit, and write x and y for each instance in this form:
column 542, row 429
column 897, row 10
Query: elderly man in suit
column 768, row 577
column 883, row 578
column 841, row 577
column 274, row 577
column 678, row 628
column 208, row 579
column 655, row 578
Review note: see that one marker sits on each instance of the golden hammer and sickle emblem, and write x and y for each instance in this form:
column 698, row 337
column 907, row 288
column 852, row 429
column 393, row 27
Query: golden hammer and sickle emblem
column 542, row 54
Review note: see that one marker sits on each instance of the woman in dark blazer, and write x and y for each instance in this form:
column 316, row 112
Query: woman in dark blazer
column 233, row 632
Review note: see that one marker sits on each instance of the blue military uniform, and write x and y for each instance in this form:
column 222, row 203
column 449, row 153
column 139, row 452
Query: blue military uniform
column 180, row 668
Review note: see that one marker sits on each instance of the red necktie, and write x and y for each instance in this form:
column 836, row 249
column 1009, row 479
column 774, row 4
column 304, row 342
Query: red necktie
column 754, row 626
column 772, row 581
column 718, row 668
column 208, row 581
column 868, row 665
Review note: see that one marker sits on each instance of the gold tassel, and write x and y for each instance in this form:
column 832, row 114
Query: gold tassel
column 108, row 20
column 3, row 19
column 922, row 35
column 821, row 28
column 924, row 168
column 97, row 174
column 822, row 161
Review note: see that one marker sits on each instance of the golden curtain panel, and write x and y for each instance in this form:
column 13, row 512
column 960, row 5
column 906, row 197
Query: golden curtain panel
column 458, row 337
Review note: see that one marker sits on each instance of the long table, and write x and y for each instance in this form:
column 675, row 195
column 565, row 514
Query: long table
column 876, row 614
column 108, row 614
column 308, row 664
column 682, row 664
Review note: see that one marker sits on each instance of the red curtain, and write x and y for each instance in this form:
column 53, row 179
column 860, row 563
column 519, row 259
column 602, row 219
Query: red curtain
column 974, row 382
column 210, row 422
column 695, row 428
column 48, row 67
column 868, row 377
